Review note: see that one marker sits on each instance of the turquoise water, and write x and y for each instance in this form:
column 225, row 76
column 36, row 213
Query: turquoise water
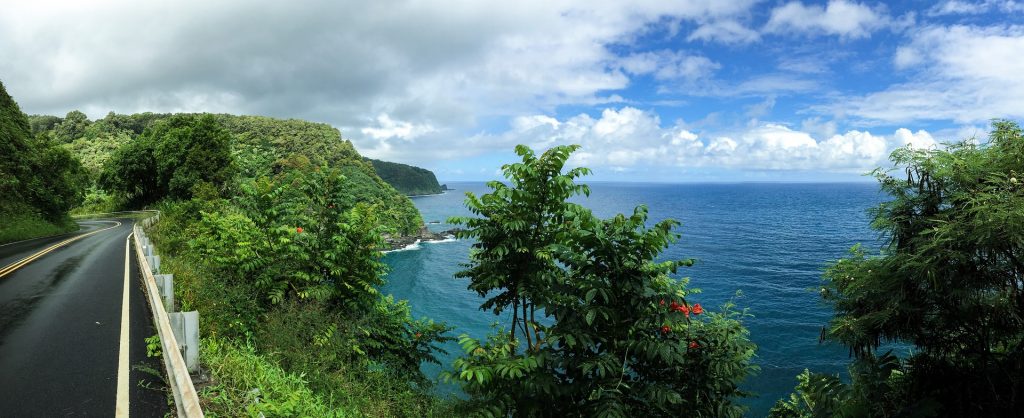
column 769, row 241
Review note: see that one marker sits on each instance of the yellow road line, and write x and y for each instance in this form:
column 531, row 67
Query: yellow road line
column 121, row 407
column 20, row 263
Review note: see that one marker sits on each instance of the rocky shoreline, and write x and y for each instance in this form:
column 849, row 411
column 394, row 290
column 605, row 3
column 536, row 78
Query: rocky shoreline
column 392, row 243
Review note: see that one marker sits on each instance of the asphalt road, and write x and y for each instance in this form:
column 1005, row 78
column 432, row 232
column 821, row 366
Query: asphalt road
column 61, row 328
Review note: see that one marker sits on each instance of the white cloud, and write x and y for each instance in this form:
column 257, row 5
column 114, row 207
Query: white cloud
column 956, row 7
column 443, row 64
column 839, row 17
column 920, row 139
column 433, row 69
column 726, row 30
column 389, row 128
column 635, row 140
column 668, row 65
column 966, row 74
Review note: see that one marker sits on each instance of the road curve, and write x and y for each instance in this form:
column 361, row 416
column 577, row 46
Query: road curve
column 61, row 327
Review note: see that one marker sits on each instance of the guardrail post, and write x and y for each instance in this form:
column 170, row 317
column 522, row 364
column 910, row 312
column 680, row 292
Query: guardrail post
column 165, row 282
column 185, row 326
column 154, row 263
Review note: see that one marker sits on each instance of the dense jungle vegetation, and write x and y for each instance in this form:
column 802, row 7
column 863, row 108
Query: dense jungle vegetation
column 39, row 180
column 407, row 179
column 273, row 230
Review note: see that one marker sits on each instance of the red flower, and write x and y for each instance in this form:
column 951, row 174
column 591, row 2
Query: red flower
column 662, row 303
column 674, row 306
column 418, row 335
column 693, row 344
column 697, row 310
column 683, row 309
column 665, row 329
column 298, row 230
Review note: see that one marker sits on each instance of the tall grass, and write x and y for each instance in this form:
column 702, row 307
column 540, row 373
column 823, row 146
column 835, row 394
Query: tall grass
column 22, row 226
column 247, row 384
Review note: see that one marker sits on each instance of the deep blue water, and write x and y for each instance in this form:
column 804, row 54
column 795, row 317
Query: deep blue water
column 769, row 241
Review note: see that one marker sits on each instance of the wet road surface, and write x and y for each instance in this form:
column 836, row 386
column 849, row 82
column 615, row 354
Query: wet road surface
column 60, row 327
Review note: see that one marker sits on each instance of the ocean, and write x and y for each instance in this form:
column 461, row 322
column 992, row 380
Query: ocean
column 761, row 245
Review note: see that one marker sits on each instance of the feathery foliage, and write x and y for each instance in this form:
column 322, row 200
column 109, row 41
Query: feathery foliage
column 617, row 337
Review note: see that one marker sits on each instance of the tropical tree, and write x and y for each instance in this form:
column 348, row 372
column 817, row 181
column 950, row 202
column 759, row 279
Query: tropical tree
column 517, row 235
column 72, row 127
column 949, row 282
column 172, row 157
column 37, row 177
column 618, row 336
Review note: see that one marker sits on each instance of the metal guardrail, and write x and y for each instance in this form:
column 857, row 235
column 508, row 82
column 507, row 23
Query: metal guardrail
column 186, row 400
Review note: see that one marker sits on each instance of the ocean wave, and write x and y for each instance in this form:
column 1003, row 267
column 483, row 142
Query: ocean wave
column 418, row 244
column 447, row 238
column 410, row 247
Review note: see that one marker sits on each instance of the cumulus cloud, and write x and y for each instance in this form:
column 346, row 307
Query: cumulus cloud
column 389, row 128
column 343, row 62
column 966, row 74
column 632, row 139
column 839, row 17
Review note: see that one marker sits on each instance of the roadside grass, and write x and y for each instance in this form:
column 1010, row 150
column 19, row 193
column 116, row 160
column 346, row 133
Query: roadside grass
column 17, row 227
column 247, row 384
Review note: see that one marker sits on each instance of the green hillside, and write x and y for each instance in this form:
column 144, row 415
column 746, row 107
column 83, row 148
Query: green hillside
column 406, row 178
column 259, row 141
column 259, row 147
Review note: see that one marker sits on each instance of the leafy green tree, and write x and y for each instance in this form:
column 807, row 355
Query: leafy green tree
column 171, row 158
column 618, row 336
column 190, row 149
column 517, row 235
column 35, row 175
column 131, row 172
column 15, row 147
column 43, row 123
column 60, row 180
column 72, row 127
column 948, row 282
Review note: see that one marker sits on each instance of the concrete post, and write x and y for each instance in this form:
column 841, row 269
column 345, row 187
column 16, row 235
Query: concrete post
column 154, row 263
column 165, row 283
column 186, row 330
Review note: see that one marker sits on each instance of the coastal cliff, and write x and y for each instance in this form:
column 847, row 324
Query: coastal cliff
column 407, row 179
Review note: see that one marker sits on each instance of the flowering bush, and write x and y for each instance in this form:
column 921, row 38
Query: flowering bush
column 607, row 344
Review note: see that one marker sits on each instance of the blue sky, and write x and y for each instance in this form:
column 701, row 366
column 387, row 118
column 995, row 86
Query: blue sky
column 670, row 91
